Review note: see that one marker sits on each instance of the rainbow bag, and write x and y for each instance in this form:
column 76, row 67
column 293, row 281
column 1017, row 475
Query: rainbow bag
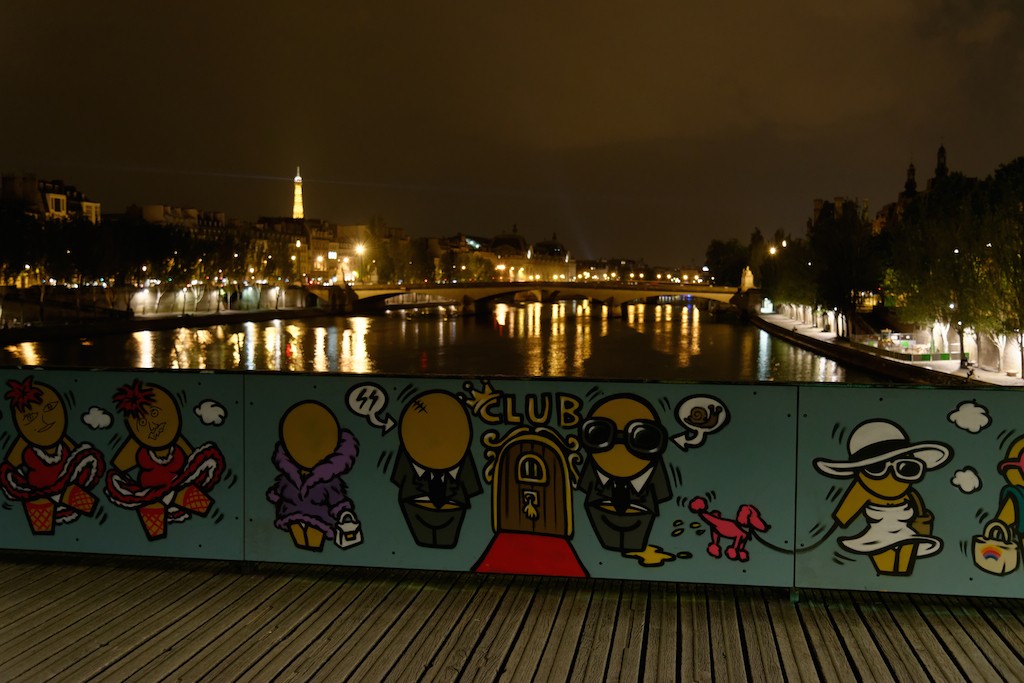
column 996, row 550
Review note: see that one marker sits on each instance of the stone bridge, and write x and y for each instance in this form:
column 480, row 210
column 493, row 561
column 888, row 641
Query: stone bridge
column 476, row 297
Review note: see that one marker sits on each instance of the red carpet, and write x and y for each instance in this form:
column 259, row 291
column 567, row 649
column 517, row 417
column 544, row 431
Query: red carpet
column 512, row 553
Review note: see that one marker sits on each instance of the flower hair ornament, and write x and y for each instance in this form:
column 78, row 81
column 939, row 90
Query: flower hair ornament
column 131, row 400
column 23, row 395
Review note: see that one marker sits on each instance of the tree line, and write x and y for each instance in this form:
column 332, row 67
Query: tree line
column 952, row 254
column 107, row 262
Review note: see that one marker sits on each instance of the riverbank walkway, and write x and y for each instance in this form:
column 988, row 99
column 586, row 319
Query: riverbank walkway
column 950, row 367
column 88, row 618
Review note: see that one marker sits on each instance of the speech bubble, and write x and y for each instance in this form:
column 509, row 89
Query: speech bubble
column 699, row 415
column 369, row 400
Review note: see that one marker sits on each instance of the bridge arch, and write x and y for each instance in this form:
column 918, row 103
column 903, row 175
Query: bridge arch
column 471, row 298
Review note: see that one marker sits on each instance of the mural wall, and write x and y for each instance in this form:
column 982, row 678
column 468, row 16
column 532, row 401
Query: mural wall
column 130, row 463
column 900, row 489
column 910, row 489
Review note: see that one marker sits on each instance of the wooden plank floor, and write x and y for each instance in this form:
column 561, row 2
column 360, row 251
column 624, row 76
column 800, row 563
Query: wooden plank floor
column 83, row 618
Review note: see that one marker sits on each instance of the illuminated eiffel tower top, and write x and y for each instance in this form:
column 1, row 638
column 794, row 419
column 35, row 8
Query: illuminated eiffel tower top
column 297, row 204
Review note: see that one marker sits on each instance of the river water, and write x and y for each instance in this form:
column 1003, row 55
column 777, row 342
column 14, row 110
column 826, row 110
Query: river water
column 667, row 342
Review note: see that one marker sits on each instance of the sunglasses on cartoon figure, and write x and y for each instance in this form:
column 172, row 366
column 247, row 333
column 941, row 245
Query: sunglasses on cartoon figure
column 642, row 438
column 904, row 469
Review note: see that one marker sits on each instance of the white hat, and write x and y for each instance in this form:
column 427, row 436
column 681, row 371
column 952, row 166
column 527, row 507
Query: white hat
column 878, row 440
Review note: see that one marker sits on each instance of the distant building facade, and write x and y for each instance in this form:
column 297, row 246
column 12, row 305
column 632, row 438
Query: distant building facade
column 506, row 257
column 892, row 212
column 620, row 269
column 298, row 249
column 48, row 199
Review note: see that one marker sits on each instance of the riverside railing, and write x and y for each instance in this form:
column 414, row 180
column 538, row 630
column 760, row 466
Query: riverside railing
column 826, row 486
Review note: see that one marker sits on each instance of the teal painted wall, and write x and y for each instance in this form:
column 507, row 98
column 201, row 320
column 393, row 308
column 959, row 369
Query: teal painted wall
column 82, row 406
column 864, row 488
column 977, row 429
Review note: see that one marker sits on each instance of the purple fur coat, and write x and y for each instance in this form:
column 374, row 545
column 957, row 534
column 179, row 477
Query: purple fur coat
column 318, row 498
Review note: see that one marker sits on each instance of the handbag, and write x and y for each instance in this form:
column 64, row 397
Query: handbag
column 924, row 519
column 349, row 531
column 923, row 523
column 996, row 550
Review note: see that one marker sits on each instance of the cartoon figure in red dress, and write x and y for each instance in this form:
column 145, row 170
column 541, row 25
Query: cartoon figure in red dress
column 156, row 472
column 45, row 470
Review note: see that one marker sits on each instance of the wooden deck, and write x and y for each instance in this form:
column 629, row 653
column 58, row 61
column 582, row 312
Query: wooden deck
column 103, row 618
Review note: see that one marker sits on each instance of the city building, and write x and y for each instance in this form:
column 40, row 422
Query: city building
column 893, row 211
column 283, row 248
column 837, row 206
column 507, row 256
column 206, row 225
column 48, row 199
column 352, row 244
column 612, row 270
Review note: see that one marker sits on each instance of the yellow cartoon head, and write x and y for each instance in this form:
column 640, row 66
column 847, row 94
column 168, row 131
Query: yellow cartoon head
column 151, row 413
column 883, row 459
column 435, row 430
column 623, row 435
column 39, row 414
column 309, row 433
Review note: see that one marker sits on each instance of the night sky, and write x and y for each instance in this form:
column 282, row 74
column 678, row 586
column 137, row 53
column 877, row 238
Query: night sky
column 640, row 130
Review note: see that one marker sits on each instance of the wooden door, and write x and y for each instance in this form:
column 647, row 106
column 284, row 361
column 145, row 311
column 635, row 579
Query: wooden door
column 532, row 490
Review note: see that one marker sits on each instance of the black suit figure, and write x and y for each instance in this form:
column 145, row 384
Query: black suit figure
column 435, row 472
column 624, row 478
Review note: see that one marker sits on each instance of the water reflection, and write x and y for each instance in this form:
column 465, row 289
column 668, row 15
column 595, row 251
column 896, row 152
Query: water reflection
column 27, row 353
column 271, row 346
column 144, row 343
column 354, row 354
column 666, row 341
column 320, row 350
column 501, row 315
column 248, row 342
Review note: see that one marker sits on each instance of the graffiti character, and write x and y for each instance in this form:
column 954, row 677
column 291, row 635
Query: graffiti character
column 624, row 478
column 312, row 455
column 997, row 547
column 156, row 472
column 1011, row 496
column 434, row 472
column 884, row 466
column 44, row 470
column 739, row 530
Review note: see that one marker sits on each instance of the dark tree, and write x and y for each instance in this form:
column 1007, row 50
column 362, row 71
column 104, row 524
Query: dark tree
column 1004, row 217
column 787, row 275
column 845, row 258
column 726, row 261
column 17, row 231
column 421, row 261
column 941, row 264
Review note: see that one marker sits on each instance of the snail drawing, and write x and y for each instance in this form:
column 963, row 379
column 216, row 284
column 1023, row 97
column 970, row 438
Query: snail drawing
column 704, row 417
column 699, row 416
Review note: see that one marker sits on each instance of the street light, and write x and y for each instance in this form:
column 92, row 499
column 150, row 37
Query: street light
column 360, row 250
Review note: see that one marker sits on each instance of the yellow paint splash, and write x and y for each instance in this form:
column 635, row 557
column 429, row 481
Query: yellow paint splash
column 651, row 556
